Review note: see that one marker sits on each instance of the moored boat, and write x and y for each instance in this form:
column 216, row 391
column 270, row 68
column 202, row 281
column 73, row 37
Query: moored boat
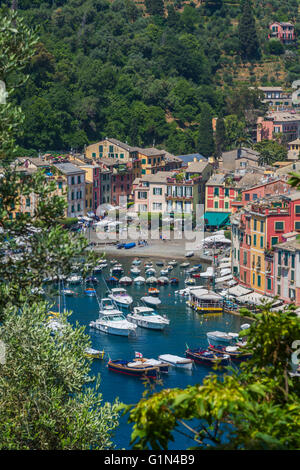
column 90, row 291
column 139, row 281
column 133, row 368
column 150, row 300
column 113, row 322
column 125, row 280
column 153, row 291
column 217, row 337
column 235, row 353
column 177, row 361
column 205, row 356
column 147, row 317
column 120, row 297
column 94, row 353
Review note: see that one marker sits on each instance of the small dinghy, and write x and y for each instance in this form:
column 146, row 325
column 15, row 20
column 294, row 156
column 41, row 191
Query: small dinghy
column 207, row 357
column 133, row 368
column 189, row 254
column 152, row 301
column 148, row 265
column 217, row 337
column 190, row 281
column 68, row 292
column 153, row 291
column 177, row 361
column 174, row 280
column 139, row 281
column 150, row 272
column 173, row 262
column 94, row 353
column 159, row 263
column 90, row 291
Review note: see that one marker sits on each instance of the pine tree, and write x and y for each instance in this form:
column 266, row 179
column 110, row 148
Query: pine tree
column 249, row 44
column 205, row 142
column 220, row 137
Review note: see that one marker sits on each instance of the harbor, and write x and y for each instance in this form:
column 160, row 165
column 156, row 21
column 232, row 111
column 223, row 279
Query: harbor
column 186, row 328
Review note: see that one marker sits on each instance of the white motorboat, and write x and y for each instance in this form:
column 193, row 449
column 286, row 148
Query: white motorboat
column 117, row 269
column 164, row 272
column 151, row 280
column 125, row 281
column 208, row 273
column 146, row 317
column 163, row 280
column 151, row 300
column 74, row 279
column 150, row 272
column 98, row 269
column 217, row 337
column 135, row 271
column 139, row 281
column 113, row 322
column 190, row 281
column 120, row 297
column 189, row 254
column 173, row 262
column 177, row 361
column 136, row 262
column 184, row 265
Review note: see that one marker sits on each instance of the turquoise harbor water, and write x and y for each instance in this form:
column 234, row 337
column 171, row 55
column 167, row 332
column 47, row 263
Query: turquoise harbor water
column 186, row 327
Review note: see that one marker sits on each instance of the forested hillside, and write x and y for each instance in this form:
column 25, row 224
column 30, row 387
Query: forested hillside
column 147, row 72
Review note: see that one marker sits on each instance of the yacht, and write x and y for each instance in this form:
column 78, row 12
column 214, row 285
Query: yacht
column 120, row 297
column 74, row 279
column 139, row 281
column 147, row 317
column 113, row 322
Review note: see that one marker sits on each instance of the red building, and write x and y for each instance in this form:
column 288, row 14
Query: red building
column 121, row 182
column 265, row 189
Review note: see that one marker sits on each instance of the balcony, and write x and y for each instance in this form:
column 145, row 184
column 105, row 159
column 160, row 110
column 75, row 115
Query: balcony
column 171, row 197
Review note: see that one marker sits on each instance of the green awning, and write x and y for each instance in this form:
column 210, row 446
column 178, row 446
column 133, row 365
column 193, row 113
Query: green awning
column 216, row 219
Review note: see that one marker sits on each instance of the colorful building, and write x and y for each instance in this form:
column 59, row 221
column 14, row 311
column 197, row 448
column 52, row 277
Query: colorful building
column 285, row 32
column 256, row 229
column 287, row 269
column 220, row 192
column 286, row 123
column 73, row 179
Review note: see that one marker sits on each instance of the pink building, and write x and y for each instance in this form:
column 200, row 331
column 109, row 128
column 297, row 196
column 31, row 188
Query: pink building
column 284, row 122
column 269, row 188
column 285, row 32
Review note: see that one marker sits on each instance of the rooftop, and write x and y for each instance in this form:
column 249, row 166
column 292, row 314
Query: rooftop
column 68, row 168
column 197, row 167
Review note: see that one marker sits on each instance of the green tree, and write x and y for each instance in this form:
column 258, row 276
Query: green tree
column 220, row 137
column 205, row 141
column 270, row 152
column 249, row 45
column 45, row 400
column 155, row 7
column 253, row 407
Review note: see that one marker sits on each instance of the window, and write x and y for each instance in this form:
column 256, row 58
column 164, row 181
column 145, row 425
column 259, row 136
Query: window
column 247, row 197
column 259, row 280
column 100, row 148
column 262, row 226
column 297, row 209
column 279, row 257
column 255, row 225
column 279, row 226
column 278, row 289
column 143, row 172
column 216, row 192
column 79, row 179
column 93, row 155
column 157, row 206
column 72, row 180
column 72, row 209
column 144, row 161
column 261, row 242
column 121, row 155
column 28, row 202
column 78, row 207
column 293, row 261
column 216, row 205
column 254, row 240
column 60, row 185
column 274, row 240
column 111, row 149
column 72, row 196
column 226, row 191
column 297, row 225
column 269, row 283
column 157, row 191
column 253, row 278
column 254, row 196
column 142, row 195
column 226, row 205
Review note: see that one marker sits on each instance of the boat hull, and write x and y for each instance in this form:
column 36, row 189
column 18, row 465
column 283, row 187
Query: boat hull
column 147, row 325
column 112, row 331
column 149, row 372
column 199, row 358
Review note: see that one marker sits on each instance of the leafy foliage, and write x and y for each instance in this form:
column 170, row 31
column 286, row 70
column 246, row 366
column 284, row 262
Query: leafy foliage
column 256, row 407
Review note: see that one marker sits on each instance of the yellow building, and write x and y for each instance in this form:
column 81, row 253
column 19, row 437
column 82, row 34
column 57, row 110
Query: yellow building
column 110, row 148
